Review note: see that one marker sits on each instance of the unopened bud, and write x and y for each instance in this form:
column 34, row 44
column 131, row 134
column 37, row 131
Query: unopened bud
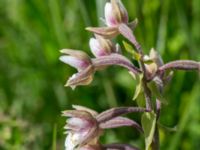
column 101, row 47
column 115, row 13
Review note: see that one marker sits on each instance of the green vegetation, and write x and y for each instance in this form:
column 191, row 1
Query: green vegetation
column 32, row 94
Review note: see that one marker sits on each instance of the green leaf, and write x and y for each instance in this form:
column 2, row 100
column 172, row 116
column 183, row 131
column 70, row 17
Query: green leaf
column 148, row 125
column 131, row 50
column 138, row 86
column 155, row 89
column 141, row 99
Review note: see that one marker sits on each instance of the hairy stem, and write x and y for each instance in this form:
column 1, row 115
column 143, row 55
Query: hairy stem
column 118, row 111
column 126, row 32
column 181, row 65
column 115, row 59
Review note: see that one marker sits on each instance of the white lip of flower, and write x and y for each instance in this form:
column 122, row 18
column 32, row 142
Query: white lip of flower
column 70, row 144
column 73, row 140
column 78, row 129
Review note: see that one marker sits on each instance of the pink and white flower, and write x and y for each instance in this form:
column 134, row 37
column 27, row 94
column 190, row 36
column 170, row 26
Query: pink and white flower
column 82, row 62
column 82, row 128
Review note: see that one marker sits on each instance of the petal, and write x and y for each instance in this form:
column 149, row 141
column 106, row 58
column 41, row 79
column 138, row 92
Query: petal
column 128, row 34
column 77, row 114
column 78, row 123
column 69, row 143
column 123, row 11
column 82, row 108
column 83, row 77
column 96, row 48
column 156, row 57
column 74, row 62
column 106, row 32
column 76, row 53
column 109, row 16
column 133, row 24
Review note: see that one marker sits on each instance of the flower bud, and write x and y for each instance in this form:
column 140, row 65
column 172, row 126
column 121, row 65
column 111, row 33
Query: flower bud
column 115, row 13
column 152, row 62
column 116, row 17
column 101, row 47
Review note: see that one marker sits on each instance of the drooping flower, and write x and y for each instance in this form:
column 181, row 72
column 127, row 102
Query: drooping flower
column 106, row 56
column 82, row 62
column 84, row 126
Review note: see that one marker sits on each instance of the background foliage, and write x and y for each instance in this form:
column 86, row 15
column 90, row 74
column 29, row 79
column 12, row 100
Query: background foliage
column 32, row 95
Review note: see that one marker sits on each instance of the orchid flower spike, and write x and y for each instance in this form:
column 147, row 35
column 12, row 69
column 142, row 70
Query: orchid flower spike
column 115, row 16
column 82, row 62
column 102, row 47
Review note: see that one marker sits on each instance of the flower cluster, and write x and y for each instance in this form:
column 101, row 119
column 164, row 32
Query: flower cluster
column 85, row 126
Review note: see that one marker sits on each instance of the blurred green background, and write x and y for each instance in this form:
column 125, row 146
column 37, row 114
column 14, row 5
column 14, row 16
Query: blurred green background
column 32, row 94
